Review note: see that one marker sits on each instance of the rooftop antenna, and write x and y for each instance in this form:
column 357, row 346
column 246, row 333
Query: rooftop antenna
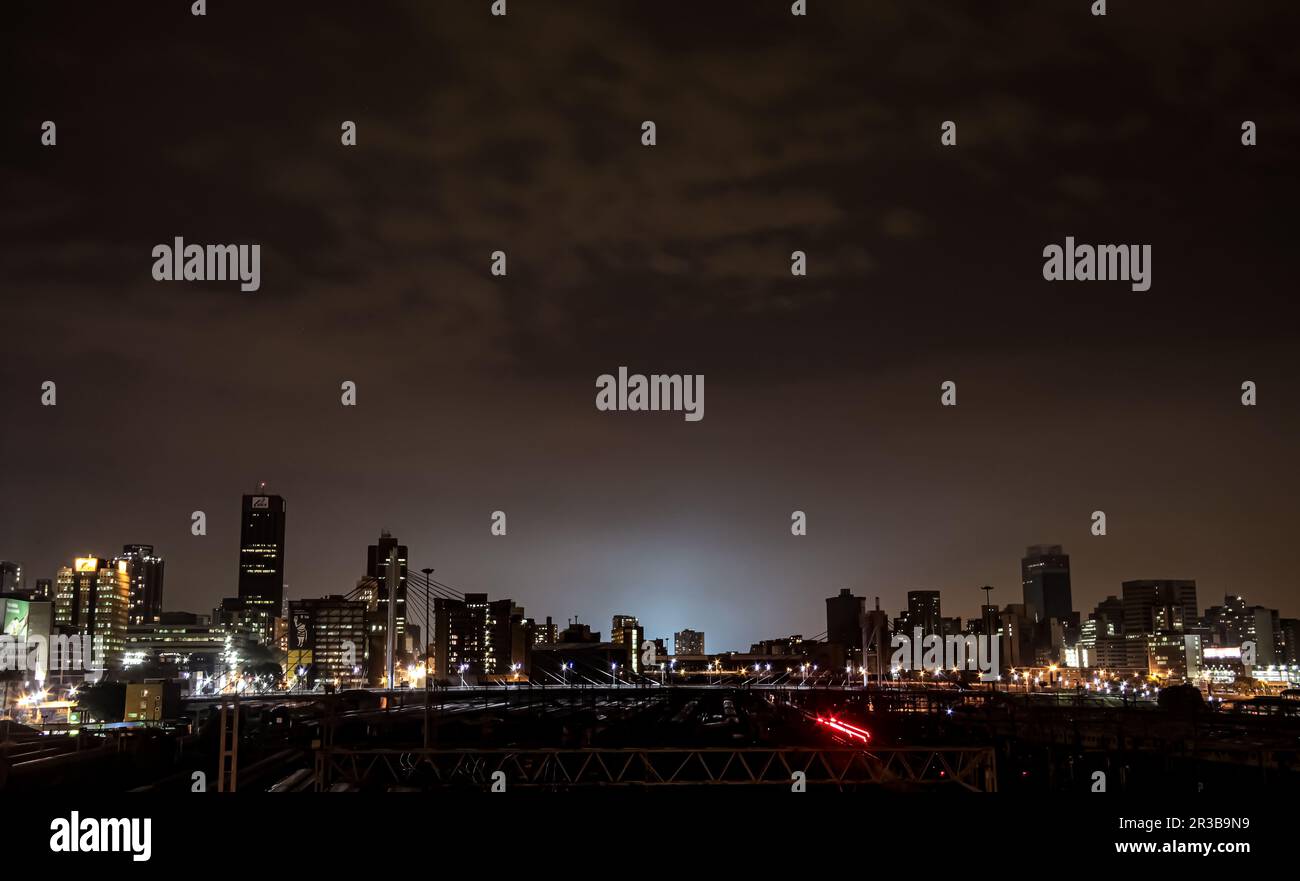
column 986, row 588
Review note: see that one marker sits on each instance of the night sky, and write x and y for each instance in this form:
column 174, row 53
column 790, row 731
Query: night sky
column 775, row 133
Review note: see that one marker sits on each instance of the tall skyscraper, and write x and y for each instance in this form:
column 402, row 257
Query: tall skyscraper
column 844, row 621
column 923, row 612
column 146, row 573
column 261, row 551
column 376, row 588
column 377, row 568
column 1045, row 574
column 74, row 592
column 1288, row 640
column 93, row 597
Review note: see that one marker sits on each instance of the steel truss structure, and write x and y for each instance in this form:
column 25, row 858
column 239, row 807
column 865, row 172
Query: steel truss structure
column 968, row 768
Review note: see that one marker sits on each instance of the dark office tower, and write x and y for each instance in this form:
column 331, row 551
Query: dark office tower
column 923, row 612
column 146, row 573
column 261, row 551
column 844, row 620
column 1045, row 574
column 377, row 568
column 1288, row 640
column 44, row 589
column 1226, row 623
column 1263, row 627
column 989, row 619
column 11, row 577
column 1154, row 606
column 1110, row 617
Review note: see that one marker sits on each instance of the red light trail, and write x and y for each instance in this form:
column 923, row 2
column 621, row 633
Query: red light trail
column 845, row 728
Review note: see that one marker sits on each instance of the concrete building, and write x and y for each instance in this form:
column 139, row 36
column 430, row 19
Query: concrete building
column 688, row 642
column 327, row 641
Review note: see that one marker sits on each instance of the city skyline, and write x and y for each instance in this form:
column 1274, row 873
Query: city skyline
column 475, row 393
column 737, row 638
column 697, row 397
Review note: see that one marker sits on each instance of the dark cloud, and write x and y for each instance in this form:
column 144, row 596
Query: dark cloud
column 775, row 134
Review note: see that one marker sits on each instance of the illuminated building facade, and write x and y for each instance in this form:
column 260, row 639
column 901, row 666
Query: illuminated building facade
column 252, row 620
column 1174, row 656
column 93, row 597
column 545, row 634
column 472, row 633
column 190, row 642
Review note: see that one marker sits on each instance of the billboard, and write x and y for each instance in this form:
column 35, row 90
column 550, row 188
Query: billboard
column 15, row 620
column 301, row 633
